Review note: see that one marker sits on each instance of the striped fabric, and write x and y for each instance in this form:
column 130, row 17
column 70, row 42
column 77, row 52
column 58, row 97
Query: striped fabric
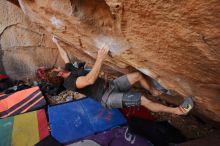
column 24, row 130
column 21, row 102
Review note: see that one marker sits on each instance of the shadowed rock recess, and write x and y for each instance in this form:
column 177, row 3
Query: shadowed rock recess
column 175, row 42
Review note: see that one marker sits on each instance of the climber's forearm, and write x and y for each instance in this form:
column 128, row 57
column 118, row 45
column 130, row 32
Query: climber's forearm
column 63, row 54
column 94, row 73
column 91, row 77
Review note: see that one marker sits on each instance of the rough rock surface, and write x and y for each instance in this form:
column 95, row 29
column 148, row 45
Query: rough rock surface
column 175, row 42
column 24, row 45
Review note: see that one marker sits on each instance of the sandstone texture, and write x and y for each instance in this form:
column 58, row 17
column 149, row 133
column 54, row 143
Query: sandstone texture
column 175, row 42
column 24, row 45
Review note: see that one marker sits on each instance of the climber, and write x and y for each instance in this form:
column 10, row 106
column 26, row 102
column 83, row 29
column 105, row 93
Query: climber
column 115, row 93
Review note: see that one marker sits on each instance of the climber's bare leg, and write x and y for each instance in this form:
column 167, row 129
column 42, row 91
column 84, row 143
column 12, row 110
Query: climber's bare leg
column 138, row 77
column 156, row 107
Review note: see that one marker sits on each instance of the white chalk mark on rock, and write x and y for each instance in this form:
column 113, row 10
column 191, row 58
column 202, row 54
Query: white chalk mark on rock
column 184, row 84
column 116, row 45
column 56, row 22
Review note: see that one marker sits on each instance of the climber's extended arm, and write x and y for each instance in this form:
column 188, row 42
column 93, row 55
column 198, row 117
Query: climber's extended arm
column 62, row 52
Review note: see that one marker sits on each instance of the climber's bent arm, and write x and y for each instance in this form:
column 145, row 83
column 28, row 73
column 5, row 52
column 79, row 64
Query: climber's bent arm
column 91, row 77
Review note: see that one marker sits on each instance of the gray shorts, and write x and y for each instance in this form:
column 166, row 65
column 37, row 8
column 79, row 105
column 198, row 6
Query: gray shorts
column 118, row 95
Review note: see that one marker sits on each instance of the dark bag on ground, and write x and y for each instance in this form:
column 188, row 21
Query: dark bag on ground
column 51, row 90
column 159, row 133
column 5, row 82
column 51, row 93
column 14, row 86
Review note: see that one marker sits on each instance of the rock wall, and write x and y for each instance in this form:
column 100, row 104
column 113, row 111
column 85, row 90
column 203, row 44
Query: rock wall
column 175, row 42
column 24, row 45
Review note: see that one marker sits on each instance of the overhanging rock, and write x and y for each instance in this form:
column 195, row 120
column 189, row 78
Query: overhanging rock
column 175, row 42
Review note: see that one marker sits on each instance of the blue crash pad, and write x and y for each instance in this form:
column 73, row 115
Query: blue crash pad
column 75, row 120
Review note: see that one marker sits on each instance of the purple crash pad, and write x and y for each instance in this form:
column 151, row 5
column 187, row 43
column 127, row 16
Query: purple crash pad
column 119, row 137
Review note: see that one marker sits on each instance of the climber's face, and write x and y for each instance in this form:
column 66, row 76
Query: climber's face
column 59, row 71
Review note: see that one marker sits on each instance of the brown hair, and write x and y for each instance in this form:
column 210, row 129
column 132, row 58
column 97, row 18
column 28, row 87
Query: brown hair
column 53, row 78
